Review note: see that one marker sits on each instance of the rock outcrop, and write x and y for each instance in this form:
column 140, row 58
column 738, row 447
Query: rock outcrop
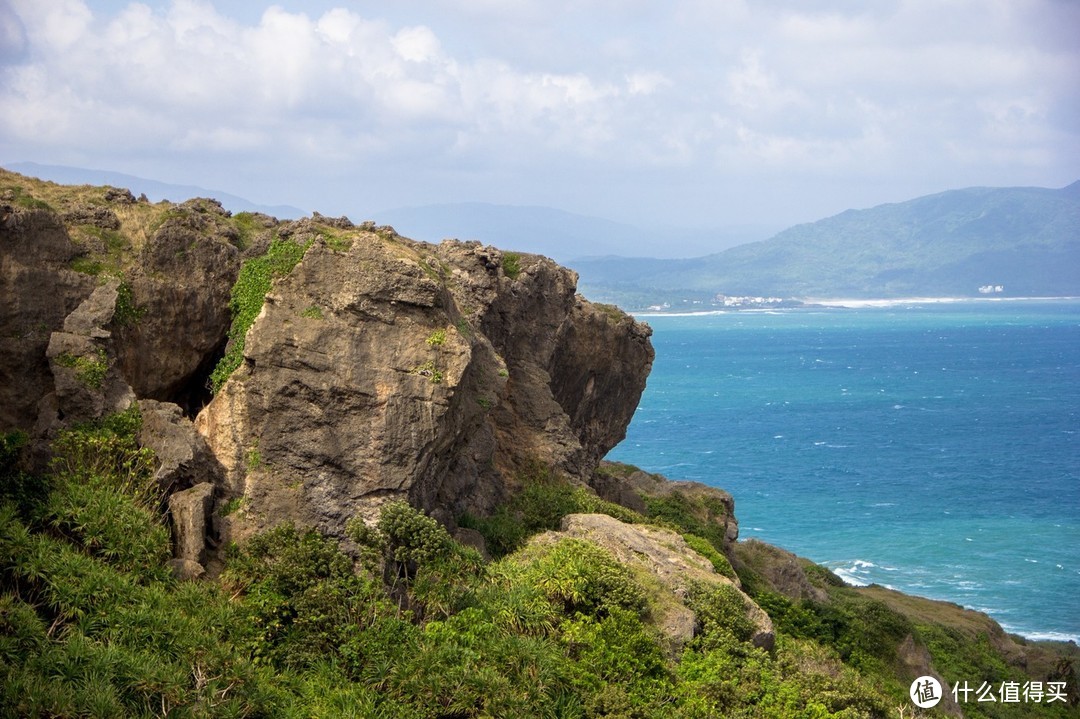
column 711, row 507
column 378, row 367
column 179, row 290
column 39, row 290
column 675, row 568
column 382, row 368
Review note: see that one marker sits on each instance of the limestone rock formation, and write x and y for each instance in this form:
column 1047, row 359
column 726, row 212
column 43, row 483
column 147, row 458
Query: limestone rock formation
column 190, row 513
column 38, row 291
column 630, row 487
column 383, row 368
column 665, row 556
column 377, row 368
column 180, row 285
column 184, row 459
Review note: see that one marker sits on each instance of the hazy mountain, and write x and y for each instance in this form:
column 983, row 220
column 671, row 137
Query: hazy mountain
column 155, row 191
column 1026, row 240
column 560, row 235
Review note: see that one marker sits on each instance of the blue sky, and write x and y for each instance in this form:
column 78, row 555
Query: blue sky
column 683, row 113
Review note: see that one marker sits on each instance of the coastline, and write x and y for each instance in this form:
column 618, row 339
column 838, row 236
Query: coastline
column 1029, row 624
column 854, row 303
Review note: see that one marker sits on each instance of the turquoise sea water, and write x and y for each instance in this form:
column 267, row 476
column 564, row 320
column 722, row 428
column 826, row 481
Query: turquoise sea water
column 931, row 448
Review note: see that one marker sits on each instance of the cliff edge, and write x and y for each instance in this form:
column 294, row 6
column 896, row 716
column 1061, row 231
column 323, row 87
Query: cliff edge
column 327, row 367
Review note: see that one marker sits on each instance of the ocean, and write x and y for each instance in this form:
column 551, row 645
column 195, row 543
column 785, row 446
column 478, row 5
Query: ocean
column 932, row 448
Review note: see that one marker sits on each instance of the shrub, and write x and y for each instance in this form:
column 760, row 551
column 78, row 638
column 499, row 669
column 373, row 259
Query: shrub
column 91, row 371
column 511, row 264
column 579, row 577
column 421, row 565
column 126, row 312
column 543, row 500
column 722, row 612
column 706, row 549
column 106, row 453
column 696, row 516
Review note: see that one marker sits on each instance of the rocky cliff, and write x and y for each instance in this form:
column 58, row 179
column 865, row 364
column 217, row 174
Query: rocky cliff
column 313, row 371
column 376, row 367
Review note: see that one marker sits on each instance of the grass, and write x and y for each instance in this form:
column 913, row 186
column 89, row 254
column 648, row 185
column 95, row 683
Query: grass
column 247, row 226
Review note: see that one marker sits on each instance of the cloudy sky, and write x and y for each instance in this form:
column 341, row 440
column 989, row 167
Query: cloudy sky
column 685, row 112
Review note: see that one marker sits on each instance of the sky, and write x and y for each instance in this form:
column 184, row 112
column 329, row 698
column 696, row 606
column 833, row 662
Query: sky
column 688, row 113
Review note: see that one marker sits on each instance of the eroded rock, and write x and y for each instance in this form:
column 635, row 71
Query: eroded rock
column 38, row 290
column 382, row 368
column 189, row 510
column 666, row 557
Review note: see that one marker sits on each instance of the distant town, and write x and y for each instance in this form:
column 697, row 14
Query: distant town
column 738, row 302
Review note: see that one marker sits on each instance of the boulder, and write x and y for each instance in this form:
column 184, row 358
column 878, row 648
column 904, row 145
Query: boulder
column 664, row 556
column 190, row 513
column 184, row 459
column 86, row 384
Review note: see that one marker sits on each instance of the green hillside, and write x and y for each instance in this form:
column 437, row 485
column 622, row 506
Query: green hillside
column 1025, row 239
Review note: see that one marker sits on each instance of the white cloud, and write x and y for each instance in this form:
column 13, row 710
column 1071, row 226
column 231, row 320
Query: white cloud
column 563, row 93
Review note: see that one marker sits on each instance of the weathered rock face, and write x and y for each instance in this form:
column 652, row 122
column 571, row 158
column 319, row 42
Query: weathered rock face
column 396, row 369
column 378, row 368
column 180, row 285
column 37, row 292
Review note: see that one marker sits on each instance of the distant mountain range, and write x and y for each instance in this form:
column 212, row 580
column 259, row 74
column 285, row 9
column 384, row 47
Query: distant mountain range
column 155, row 191
column 562, row 236
column 1022, row 241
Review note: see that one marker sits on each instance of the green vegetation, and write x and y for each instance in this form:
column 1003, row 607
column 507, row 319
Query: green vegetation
column 314, row 312
column 540, row 504
column 93, row 624
column 254, row 281
column 429, row 370
column 88, row 266
column 91, row 371
column 25, row 200
column 437, row 338
column 511, row 264
column 336, row 240
column 231, row 506
column 126, row 312
column 253, row 459
column 247, row 226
